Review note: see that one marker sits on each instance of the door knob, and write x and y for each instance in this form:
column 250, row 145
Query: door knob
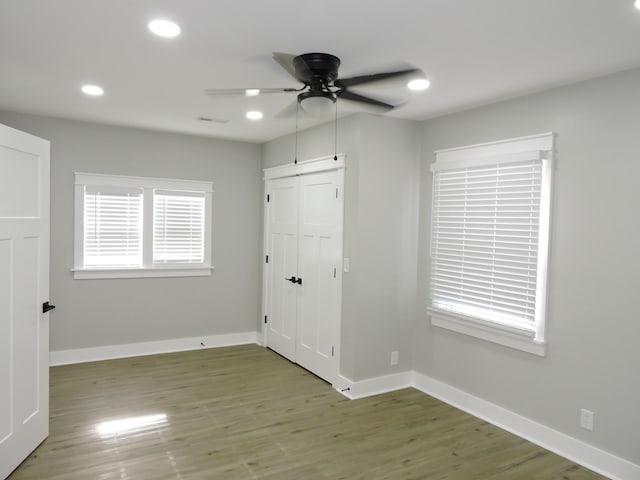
column 292, row 279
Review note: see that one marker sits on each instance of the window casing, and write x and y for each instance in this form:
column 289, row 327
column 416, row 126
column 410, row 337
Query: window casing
column 141, row 227
column 490, row 240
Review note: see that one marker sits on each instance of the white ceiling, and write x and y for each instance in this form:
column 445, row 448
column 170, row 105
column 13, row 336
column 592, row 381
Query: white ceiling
column 474, row 52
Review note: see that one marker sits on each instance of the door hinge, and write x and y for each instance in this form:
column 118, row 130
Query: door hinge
column 335, row 272
column 336, row 193
column 267, row 259
column 265, row 319
column 333, row 352
column 268, row 197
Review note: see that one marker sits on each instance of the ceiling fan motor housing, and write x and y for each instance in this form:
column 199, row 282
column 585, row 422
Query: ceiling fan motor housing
column 318, row 71
column 316, row 66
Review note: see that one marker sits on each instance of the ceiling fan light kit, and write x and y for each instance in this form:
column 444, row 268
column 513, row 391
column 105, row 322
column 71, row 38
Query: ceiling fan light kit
column 317, row 104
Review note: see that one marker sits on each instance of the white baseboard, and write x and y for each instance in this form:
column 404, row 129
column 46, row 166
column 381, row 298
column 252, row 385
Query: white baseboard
column 109, row 352
column 593, row 458
column 372, row 386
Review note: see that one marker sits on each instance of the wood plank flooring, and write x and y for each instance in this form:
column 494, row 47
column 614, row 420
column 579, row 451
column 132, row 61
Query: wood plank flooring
column 246, row 413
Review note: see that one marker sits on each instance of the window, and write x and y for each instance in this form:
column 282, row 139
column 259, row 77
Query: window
column 112, row 226
column 489, row 240
column 178, row 227
column 141, row 227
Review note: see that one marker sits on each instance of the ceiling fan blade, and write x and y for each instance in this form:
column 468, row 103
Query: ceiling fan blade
column 354, row 97
column 376, row 77
column 243, row 91
column 286, row 61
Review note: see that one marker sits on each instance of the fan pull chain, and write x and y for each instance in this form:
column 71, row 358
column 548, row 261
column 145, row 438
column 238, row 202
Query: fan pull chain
column 335, row 134
column 295, row 159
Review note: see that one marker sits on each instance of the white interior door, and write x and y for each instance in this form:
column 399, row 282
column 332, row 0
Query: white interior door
column 319, row 261
column 24, row 286
column 303, row 277
column 282, row 248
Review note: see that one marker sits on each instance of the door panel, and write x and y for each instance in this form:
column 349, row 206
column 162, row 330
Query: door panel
column 24, row 286
column 19, row 179
column 27, row 332
column 283, row 247
column 320, row 257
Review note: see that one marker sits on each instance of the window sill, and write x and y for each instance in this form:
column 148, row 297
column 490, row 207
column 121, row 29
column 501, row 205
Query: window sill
column 489, row 333
column 104, row 273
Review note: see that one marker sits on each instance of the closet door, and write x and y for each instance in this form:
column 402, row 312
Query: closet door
column 303, row 280
column 282, row 247
column 319, row 258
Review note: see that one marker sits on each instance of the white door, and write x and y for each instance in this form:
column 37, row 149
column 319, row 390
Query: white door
column 303, row 274
column 319, row 260
column 24, row 287
column 282, row 248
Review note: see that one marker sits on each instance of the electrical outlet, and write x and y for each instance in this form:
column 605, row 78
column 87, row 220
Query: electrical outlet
column 395, row 357
column 586, row 419
column 346, row 265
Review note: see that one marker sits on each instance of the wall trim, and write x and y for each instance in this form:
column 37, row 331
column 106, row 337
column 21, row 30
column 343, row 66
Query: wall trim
column 372, row 386
column 110, row 352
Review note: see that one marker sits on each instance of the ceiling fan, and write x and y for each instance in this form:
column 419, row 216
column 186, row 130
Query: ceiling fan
column 322, row 86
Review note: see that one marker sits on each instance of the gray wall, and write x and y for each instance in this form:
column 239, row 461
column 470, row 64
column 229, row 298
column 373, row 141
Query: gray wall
column 593, row 314
column 380, row 234
column 94, row 313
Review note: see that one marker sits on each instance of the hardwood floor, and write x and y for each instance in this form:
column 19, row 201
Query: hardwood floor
column 246, row 413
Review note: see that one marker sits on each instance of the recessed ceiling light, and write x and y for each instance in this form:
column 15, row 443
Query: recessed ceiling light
column 252, row 92
column 419, row 84
column 637, row 4
column 164, row 28
column 94, row 90
column 254, row 115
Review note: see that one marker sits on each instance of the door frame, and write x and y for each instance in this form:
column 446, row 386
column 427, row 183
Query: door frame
column 304, row 167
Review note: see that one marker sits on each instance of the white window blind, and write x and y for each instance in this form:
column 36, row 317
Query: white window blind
column 489, row 230
column 178, row 227
column 112, row 226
